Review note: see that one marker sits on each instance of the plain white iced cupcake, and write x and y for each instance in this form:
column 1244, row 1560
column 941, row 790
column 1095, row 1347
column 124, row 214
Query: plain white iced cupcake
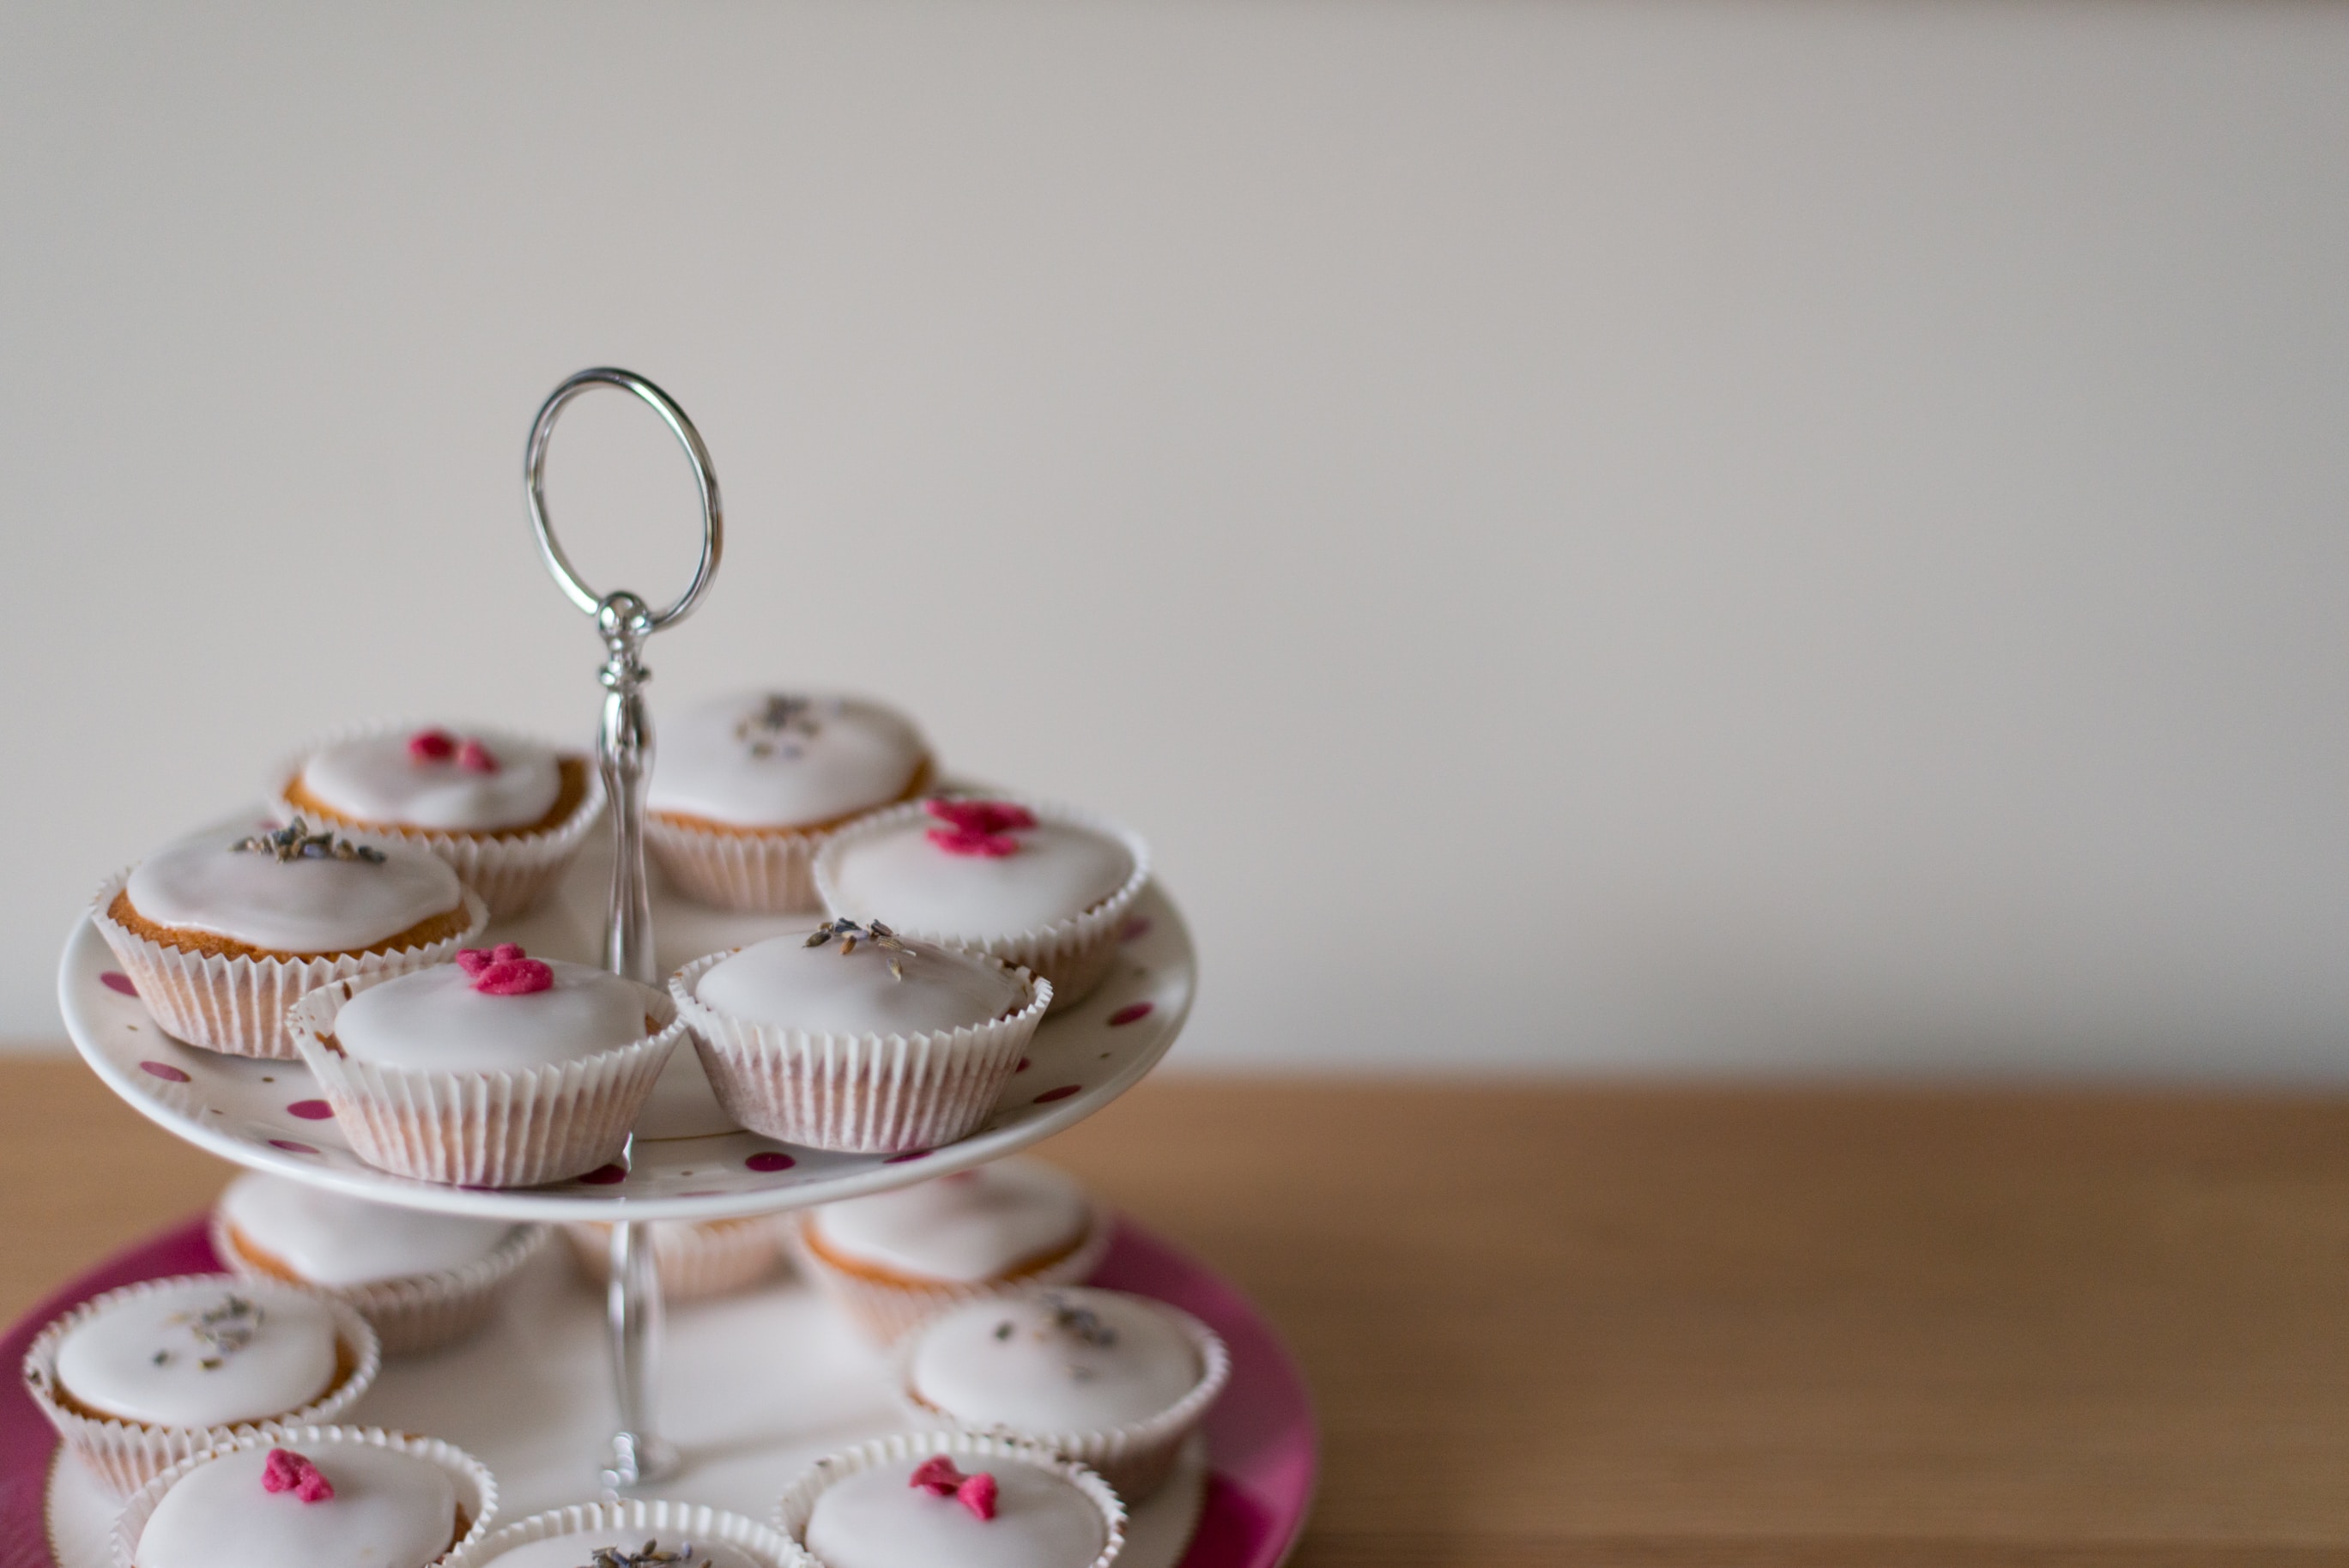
column 847, row 1038
column 893, row 1259
column 423, row 1280
column 1040, row 886
column 751, row 785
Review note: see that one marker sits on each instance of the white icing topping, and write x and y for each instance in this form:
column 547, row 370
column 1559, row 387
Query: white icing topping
column 311, row 904
column 785, row 982
column 389, row 1509
column 967, row 1228
column 373, row 778
column 332, row 1240
column 900, row 876
column 153, row 1358
column 578, row 1549
column 1073, row 1361
column 876, row 1518
column 829, row 757
column 433, row 1020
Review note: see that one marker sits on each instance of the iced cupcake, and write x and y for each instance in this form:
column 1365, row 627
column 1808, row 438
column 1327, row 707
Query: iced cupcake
column 508, row 813
column 422, row 1279
column 498, row 1070
column 1042, row 887
column 138, row 1378
column 922, row 1498
column 697, row 1259
column 222, row 933
column 749, row 787
column 643, row 1532
column 1112, row 1380
column 309, row 1497
column 850, row 1039
column 893, row 1259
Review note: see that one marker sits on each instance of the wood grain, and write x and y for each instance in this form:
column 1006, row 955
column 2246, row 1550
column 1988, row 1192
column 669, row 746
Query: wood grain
column 1657, row 1326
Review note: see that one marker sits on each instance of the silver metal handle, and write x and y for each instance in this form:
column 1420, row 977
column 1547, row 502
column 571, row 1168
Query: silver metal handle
column 623, row 753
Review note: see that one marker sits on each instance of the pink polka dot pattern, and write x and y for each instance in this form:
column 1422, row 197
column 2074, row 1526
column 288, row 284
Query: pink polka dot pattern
column 116, row 980
column 1135, row 929
column 291, row 1147
column 904, row 1159
column 163, row 1070
column 1063, row 1092
column 310, row 1110
column 769, row 1161
column 1024, row 1065
column 1131, row 1012
column 605, row 1175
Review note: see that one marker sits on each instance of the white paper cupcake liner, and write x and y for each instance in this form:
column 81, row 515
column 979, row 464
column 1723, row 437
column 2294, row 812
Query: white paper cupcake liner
column 416, row 1311
column 237, row 1006
column 511, row 874
column 1135, row 1458
column 751, row 871
column 887, row 1311
column 697, row 1259
column 1074, row 953
column 477, row 1488
column 799, row 1502
column 485, row 1129
column 856, row 1094
column 127, row 1455
column 673, row 1524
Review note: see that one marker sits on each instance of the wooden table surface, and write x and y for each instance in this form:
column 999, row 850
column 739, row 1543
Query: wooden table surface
column 1653, row 1326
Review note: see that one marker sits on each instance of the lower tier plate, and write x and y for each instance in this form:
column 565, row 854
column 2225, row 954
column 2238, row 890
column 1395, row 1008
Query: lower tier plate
column 756, row 1386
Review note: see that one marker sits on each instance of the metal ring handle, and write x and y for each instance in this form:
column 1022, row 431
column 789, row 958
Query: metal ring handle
column 713, row 526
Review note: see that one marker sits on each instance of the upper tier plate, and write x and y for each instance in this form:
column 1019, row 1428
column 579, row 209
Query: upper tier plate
column 687, row 1160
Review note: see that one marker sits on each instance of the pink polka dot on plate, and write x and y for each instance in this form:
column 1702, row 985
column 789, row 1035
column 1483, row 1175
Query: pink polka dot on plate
column 1063, row 1092
column 769, row 1161
column 1130, row 1013
column 116, row 980
column 1024, row 1065
column 163, row 1070
column 291, row 1147
column 310, row 1110
column 1135, row 929
column 604, row 1175
column 903, row 1159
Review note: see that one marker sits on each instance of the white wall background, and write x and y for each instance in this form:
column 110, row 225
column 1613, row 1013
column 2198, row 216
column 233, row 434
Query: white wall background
column 1626, row 535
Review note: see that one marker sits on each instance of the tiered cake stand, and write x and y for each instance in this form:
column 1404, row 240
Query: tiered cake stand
column 563, row 1399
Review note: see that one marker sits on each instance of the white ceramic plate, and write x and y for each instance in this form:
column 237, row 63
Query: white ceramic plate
column 687, row 1160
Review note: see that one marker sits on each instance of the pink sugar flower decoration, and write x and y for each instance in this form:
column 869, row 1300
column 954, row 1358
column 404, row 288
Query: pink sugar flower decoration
column 937, row 1476
column 431, row 746
column 504, row 970
column 475, row 757
column 981, row 816
column 978, row 1494
column 286, row 1470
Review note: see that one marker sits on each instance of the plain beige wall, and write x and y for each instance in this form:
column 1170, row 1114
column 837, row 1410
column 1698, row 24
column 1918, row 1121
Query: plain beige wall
column 1777, row 535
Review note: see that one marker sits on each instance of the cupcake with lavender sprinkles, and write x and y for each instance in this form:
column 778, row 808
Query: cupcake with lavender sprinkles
column 223, row 932
column 890, row 1260
column 850, row 1038
column 422, row 1279
column 634, row 1533
column 749, row 787
column 508, row 813
column 919, row 1500
column 498, row 1070
column 1113, row 1380
column 1043, row 887
column 138, row 1378
column 310, row 1497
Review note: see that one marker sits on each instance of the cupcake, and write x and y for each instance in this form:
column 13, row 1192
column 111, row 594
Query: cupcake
column 138, row 1378
column 921, row 1499
column 1112, row 1380
column 310, row 1497
column 1040, row 886
column 223, row 932
column 498, row 1070
column 893, row 1259
column 421, row 1280
column 748, row 787
column 697, row 1259
column 641, row 1532
column 850, row 1039
column 506, row 813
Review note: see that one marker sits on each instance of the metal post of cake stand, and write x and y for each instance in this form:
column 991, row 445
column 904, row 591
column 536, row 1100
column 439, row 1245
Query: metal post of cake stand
column 624, row 752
